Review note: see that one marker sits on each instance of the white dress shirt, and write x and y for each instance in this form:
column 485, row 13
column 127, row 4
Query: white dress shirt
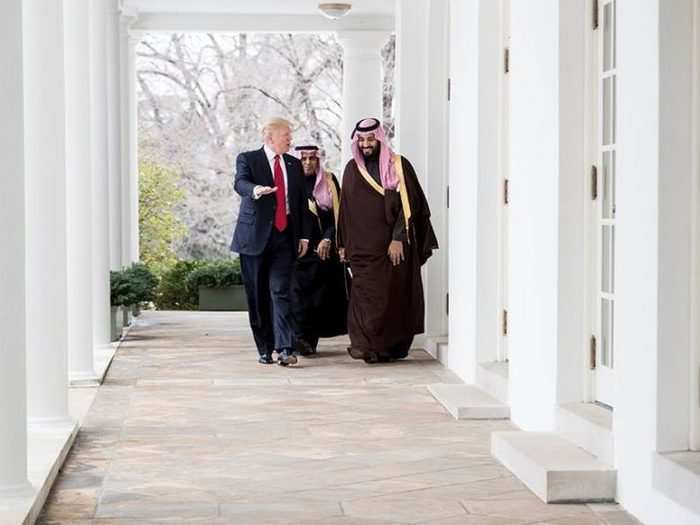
column 271, row 159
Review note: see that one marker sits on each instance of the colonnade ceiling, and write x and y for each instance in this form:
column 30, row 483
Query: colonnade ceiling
column 283, row 7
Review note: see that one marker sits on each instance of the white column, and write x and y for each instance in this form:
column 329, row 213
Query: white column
column 100, row 173
column 79, row 192
column 13, row 430
column 362, row 80
column 114, row 133
column 46, row 264
column 133, row 173
column 695, row 321
column 127, row 103
column 490, row 212
column 421, row 126
column 411, row 84
column 652, row 249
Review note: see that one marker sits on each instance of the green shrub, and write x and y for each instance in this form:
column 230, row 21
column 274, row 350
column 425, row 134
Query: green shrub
column 136, row 284
column 172, row 292
column 144, row 282
column 160, row 228
column 122, row 290
column 216, row 274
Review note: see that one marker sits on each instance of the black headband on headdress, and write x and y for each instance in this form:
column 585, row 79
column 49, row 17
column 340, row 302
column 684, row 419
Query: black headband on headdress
column 310, row 147
column 365, row 129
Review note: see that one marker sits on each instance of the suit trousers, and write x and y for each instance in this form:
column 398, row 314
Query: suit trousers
column 267, row 280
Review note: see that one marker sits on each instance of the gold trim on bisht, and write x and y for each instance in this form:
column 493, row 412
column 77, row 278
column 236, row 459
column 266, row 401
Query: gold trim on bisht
column 403, row 192
column 335, row 197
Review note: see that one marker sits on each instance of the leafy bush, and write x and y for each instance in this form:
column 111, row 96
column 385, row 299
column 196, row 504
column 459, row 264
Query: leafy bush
column 159, row 226
column 136, row 284
column 216, row 274
column 122, row 291
column 143, row 281
column 172, row 292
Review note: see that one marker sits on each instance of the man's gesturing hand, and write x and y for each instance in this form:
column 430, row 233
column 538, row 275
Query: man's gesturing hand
column 303, row 247
column 341, row 254
column 264, row 190
column 396, row 252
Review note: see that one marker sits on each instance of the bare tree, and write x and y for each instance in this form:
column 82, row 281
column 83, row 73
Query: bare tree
column 203, row 98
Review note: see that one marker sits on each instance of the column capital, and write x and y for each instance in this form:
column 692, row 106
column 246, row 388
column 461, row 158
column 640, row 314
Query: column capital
column 360, row 42
column 127, row 20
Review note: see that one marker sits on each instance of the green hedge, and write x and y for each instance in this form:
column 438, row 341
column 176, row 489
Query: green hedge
column 216, row 274
column 178, row 286
column 173, row 292
column 136, row 284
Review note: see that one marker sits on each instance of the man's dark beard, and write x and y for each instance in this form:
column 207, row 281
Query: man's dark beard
column 374, row 153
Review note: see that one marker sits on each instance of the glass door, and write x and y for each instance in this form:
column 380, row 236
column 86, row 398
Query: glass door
column 605, row 207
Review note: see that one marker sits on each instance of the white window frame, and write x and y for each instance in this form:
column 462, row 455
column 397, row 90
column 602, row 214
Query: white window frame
column 591, row 156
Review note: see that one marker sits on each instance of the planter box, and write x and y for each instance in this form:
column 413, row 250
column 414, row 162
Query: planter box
column 126, row 316
column 136, row 310
column 231, row 299
column 116, row 323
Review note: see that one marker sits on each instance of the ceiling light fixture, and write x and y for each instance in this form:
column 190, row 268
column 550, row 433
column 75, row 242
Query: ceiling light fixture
column 334, row 11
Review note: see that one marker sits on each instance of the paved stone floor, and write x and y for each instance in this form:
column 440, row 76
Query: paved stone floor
column 188, row 428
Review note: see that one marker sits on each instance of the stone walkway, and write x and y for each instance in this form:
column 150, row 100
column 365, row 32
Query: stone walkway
column 188, row 428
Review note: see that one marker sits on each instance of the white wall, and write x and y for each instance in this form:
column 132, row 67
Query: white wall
column 675, row 222
column 574, row 197
column 695, row 333
column 463, row 171
column 534, row 212
column 490, row 197
column 437, row 165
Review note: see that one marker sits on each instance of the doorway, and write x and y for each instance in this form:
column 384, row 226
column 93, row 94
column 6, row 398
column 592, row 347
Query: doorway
column 603, row 175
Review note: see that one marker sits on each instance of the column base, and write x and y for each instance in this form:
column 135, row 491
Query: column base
column 84, row 379
column 102, row 358
column 19, row 491
column 47, row 451
column 50, row 424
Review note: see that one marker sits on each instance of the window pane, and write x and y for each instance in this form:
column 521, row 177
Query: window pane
column 607, row 110
column 608, row 255
column 607, row 320
column 614, row 30
column 608, row 184
column 613, row 110
column 608, row 52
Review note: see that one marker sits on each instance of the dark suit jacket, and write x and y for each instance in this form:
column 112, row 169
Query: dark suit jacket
column 256, row 217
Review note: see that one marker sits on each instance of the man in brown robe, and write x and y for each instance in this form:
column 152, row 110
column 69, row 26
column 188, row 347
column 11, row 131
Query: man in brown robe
column 385, row 235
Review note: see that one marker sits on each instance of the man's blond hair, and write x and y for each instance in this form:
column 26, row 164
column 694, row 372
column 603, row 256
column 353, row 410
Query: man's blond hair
column 275, row 124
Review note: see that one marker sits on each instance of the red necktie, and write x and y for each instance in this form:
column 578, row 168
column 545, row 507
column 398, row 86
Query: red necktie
column 281, row 211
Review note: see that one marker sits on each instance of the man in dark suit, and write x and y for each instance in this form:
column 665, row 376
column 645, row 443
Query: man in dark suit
column 272, row 229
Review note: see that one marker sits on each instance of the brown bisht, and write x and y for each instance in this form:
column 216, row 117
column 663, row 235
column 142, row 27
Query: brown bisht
column 386, row 303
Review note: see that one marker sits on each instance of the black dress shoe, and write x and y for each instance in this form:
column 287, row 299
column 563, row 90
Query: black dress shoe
column 304, row 348
column 399, row 354
column 265, row 360
column 355, row 353
column 372, row 357
column 286, row 358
